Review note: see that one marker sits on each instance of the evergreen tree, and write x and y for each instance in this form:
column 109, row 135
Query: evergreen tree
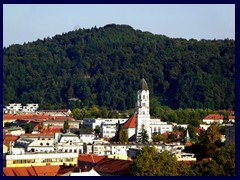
column 66, row 125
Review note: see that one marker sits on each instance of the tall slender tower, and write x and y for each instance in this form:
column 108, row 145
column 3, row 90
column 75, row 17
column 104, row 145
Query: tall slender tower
column 143, row 115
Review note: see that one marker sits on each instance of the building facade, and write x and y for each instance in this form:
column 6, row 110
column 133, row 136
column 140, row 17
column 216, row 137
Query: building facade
column 143, row 111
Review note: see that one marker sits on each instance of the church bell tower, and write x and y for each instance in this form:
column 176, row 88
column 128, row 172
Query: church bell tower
column 143, row 115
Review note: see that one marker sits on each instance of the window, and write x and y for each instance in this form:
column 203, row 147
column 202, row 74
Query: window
column 143, row 96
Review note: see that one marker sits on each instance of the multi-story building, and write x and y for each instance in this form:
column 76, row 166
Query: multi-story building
column 41, row 159
column 57, row 112
column 157, row 126
column 108, row 129
column 14, row 108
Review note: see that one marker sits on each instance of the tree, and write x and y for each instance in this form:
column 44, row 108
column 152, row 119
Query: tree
column 123, row 136
column 186, row 73
column 150, row 163
column 97, row 130
column 40, row 126
column 27, row 127
column 9, row 124
column 225, row 157
column 66, row 125
column 213, row 134
column 192, row 132
column 143, row 135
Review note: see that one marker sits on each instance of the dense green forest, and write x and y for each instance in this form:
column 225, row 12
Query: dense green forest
column 103, row 66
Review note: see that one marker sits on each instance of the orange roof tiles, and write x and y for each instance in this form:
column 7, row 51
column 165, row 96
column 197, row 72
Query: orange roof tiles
column 27, row 135
column 31, row 171
column 39, row 117
column 214, row 116
column 113, row 166
column 8, row 138
column 46, row 170
column 90, row 158
column 131, row 122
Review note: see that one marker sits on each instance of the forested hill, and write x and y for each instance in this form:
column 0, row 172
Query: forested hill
column 103, row 66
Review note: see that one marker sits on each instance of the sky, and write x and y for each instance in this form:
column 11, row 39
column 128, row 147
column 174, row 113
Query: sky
column 23, row 23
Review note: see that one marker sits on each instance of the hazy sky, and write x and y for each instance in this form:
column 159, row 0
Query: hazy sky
column 29, row 22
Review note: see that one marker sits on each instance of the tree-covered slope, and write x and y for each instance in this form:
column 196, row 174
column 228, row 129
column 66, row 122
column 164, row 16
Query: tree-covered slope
column 103, row 66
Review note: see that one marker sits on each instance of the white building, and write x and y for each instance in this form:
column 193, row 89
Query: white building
column 157, row 126
column 15, row 131
column 213, row 118
column 92, row 123
column 143, row 115
column 68, row 142
column 108, row 129
column 86, row 135
column 30, row 108
column 204, row 126
column 41, row 159
column 92, row 172
column 57, row 112
column 130, row 125
column 14, row 108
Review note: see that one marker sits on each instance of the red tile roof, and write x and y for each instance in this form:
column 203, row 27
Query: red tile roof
column 198, row 130
column 188, row 143
column 90, row 158
column 52, row 130
column 27, row 135
column 131, row 122
column 113, row 166
column 8, row 138
column 39, row 117
column 25, row 116
column 46, row 170
column 214, row 116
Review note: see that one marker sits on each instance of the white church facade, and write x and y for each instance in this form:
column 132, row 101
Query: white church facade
column 143, row 112
column 141, row 119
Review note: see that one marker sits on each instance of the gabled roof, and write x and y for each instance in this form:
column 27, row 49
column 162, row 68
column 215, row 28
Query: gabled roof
column 131, row 122
column 213, row 116
column 41, row 135
column 19, row 171
column 38, row 117
column 31, row 171
column 8, row 138
column 231, row 117
column 93, row 158
column 113, row 166
column 46, row 170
